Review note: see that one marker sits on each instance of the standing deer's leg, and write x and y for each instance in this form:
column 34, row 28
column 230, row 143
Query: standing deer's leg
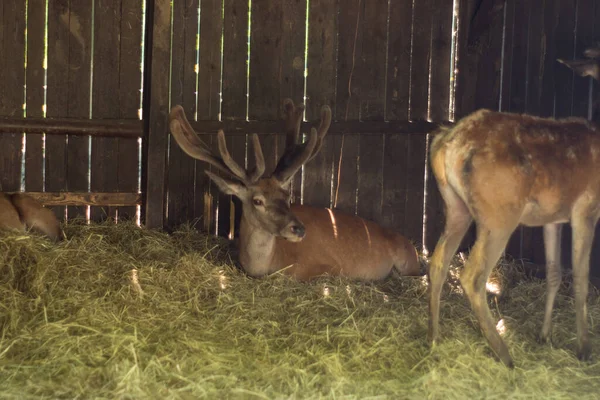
column 583, row 235
column 484, row 256
column 458, row 220
column 552, row 235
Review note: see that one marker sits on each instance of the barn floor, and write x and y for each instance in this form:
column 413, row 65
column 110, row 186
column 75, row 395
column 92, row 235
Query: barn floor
column 118, row 312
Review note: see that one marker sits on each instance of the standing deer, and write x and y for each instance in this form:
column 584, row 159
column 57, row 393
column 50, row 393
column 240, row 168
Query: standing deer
column 304, row 241
column 20, row 211
column 502, row 170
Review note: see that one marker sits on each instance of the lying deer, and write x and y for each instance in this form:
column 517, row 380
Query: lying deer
column 304, row 241
column 20, row 211
column 502, row 170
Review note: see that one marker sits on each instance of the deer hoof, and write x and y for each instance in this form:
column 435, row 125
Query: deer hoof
column 585, row 353
column 544, row 339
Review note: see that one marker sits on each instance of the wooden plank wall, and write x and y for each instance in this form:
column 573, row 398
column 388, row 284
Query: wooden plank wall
column 374, row 62
column 89, row 68
column 508, row 63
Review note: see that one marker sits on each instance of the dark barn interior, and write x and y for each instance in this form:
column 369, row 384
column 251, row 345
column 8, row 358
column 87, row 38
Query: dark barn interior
column 86, row 88
column 391, row 71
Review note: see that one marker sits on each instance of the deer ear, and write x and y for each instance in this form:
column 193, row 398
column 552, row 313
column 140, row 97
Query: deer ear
column 228, row 186
column 584, row 67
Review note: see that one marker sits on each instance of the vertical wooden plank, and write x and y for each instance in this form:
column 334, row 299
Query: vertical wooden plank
column 158, row 114
column 533, row 105
column 434, row 210
column 551, row 11
column 209, row 85
column 420, row 60
column 57, row 97
column 291, row 68
column 349, row 42
column 347, row 105
column 506, row 62
column 489, row 44
column 320, row 90
column 130, row 78
column 563, row 84
column 395, row 177
column 79, row 23
column 209, row 59
column 519, row 244
column 535, row 59
column 415, row 185
column 370, row 177
column 346, row 181
column 372, row 59
column 320, row 82
column 564, row 49
column 441, row 50
column 106, row 61
column 292, row 64
column 235, row 54
column 399, row 44
column 181, row 174
column 583, row 40
column 234, row 81
column 12, row 81
column 35, row 75
column 361, row 65
column 467, row 63
column 265, row 60
column 319, row 173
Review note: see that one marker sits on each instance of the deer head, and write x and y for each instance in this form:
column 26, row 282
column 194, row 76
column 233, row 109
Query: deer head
column 589, row 66
column 265, row 200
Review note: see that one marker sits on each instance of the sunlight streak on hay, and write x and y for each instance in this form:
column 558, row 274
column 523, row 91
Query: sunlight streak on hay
column 135, row 283
column 493, row 287
column 500, row 327
column 222, row 279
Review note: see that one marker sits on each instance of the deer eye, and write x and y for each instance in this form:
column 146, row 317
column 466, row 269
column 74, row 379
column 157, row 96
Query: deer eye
column 257, row 202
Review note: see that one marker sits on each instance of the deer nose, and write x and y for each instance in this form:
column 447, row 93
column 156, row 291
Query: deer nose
column 298, row 230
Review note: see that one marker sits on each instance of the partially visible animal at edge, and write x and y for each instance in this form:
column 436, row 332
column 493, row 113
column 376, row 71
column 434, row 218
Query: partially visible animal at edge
column 302, row 241
column 21, row 212
column 502, row 170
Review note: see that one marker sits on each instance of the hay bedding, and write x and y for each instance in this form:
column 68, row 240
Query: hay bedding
column 76, row 325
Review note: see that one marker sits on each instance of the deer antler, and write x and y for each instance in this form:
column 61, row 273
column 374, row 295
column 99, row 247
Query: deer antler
column 191, row 144
column 296, row 154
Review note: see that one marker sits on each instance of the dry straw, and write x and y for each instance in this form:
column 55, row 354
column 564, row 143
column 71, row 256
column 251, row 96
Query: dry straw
column 117, row 312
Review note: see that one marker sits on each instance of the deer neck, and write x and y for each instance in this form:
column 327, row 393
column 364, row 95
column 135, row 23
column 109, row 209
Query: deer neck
column 257, row 248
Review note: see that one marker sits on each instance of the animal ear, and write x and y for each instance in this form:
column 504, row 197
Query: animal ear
column 228, row 186
column 584, row 67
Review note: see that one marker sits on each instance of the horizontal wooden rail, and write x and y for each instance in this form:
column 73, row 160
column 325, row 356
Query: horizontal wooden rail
column 367, row 127
column 134, row 128
column 127, row 128
column 87, row 198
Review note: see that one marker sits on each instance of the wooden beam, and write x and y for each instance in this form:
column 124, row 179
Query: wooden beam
column 86, row 198
column 266, row 127
column 155, row 146
column 126, row 128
